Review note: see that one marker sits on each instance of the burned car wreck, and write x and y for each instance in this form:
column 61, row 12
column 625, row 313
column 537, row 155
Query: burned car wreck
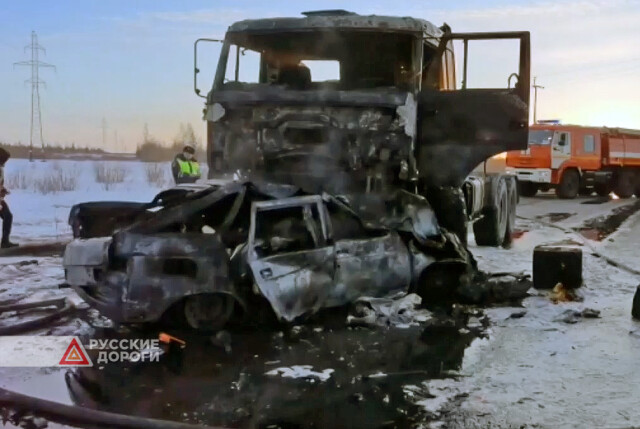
column 203, row 252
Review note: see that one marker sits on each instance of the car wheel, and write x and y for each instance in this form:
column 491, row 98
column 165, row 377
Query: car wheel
column 491, row 228
column 440, row 281
column 626, row 182
column 528, row 189
column 569, row 185
column 207, row 312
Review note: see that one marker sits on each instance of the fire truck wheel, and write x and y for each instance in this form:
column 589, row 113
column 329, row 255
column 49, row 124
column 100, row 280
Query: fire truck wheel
column 602, row 189
column 569, row 184
column 625, row 183
column 585, row 192
column 491, row 228
column 527, row 189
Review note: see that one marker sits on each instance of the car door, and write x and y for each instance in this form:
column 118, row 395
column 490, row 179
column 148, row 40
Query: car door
column 370, row 266
column 460, row 128
column 295, row 272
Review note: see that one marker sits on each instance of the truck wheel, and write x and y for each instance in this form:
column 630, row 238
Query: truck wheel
column 528, row 189
column 625, row 183
column 586, row 192
column 569, row 185
column 602, row 189
column 450, row 209
column 209, row 312
column 491, row 228
column 512, row 193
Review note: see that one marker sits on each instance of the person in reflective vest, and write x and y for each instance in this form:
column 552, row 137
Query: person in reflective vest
column 185, row 167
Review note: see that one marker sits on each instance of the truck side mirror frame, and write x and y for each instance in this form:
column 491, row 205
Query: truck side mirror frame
column 196, row 70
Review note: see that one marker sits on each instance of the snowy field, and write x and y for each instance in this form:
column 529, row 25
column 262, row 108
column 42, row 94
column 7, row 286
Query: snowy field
column 532, row 371
column 42, row 193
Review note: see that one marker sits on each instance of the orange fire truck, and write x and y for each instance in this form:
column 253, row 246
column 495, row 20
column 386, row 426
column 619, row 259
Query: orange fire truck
column 578, row 160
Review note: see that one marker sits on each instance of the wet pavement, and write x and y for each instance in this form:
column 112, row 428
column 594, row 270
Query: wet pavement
column 203, row 384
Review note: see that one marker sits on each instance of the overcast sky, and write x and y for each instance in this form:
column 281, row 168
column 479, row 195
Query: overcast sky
column 130, row 62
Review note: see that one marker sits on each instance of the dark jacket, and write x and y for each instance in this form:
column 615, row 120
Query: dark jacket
column 4, row 156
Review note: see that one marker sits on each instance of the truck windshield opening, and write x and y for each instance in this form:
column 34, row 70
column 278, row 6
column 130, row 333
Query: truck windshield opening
column 341, row 60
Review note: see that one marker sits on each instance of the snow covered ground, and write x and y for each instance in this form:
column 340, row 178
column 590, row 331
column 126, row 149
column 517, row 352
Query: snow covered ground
column 538, row 371
column 40, row 217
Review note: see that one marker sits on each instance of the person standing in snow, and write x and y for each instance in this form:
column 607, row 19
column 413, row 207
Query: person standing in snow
column 5, row 213
column 185, row 167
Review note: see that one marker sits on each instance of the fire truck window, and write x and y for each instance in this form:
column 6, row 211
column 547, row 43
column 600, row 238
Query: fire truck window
column 541, row 137
column 589, row 144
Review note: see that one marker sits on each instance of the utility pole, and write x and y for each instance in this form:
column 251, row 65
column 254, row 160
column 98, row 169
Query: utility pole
column 535, row 100
column 35, row 64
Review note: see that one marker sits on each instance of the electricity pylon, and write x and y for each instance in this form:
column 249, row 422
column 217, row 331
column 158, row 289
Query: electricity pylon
column 35, row 64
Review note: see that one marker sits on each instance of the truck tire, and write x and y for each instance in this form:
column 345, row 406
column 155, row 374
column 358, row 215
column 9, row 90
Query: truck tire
column 491, row 228
column 528, row 189
column 602, row 189
column 569, row 184
column 586, row 192
column 512, row 193
column 626, row 182
column 451, row 211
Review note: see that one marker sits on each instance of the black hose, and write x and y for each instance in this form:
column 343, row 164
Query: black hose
column 76, row 416
column 58, row 302
column 43, row 249
column 41, row 322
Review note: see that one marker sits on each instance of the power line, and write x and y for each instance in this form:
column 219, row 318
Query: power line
column 35, row 64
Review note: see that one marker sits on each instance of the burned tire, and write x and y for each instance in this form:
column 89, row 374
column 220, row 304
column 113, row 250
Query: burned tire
column 569, row 185
column 528, row 189
column 602, row 189
column 440, row 281
column 491, row 228
column 207, row 312
column 626, row 182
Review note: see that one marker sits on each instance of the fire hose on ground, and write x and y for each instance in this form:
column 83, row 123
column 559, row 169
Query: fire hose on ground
column 76, row 416
column 64, row 308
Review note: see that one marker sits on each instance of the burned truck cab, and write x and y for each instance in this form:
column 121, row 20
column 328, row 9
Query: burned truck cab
column 342, row 102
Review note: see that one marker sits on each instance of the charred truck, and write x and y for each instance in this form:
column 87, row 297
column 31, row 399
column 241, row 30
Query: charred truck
column 320, row 190
column 391, row 116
